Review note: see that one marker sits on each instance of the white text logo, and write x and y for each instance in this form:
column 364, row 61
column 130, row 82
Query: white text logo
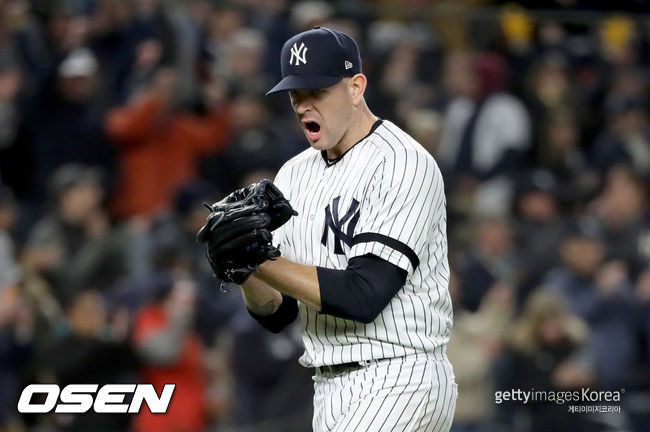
column 559, row 397
column 81, row 398
column 298, row 53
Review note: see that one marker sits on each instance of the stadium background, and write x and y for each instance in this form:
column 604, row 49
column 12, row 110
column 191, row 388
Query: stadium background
column 118, row 118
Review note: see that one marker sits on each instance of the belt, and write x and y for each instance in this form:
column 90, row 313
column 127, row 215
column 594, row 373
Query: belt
column 340, row 369
column 438, row 353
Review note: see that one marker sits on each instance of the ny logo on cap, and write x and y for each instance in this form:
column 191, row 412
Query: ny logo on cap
column 298, row 53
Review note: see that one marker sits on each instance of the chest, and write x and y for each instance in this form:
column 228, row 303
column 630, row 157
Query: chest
column 330, row 205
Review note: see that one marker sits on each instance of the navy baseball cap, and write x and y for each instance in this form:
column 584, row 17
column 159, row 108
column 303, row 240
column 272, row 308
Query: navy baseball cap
column 317, row 58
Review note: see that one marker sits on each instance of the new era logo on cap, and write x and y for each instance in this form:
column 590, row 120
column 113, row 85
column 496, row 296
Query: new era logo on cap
column 332, row 56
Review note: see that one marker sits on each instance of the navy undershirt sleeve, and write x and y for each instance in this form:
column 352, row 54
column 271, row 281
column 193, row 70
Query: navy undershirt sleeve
column 278, row 320
column 362, row 290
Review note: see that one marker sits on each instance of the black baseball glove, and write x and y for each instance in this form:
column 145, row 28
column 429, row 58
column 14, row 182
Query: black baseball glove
column 238, row 230
column 278, row 208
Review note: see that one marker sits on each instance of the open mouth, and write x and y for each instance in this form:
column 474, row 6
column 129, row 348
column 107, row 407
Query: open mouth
column 313, row 130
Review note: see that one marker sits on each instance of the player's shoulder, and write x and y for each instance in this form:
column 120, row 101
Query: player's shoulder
column 395, row 144
column 401, row 153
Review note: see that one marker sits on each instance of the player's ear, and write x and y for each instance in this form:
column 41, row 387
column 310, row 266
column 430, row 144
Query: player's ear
column 357, row 87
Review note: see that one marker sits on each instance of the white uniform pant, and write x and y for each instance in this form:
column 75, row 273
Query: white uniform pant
column 404, row 394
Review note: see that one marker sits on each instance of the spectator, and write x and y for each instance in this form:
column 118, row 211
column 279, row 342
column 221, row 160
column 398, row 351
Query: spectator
column 546, row 351
column 516, row 42
column 618, row 40
column 224, row 23
column 621, row 210
column 599, row 292
column 489, row 261
column 487, row 130
column 91, row 351
column 560, row 152
column 425, row 126
column 269, row 384
column 74, row 245
column 255, row 144
column 176, row 230
column 245, row 62
column 627, row 137
column 551, row 95
column 476, row 341
column 152, row 21
column 173, row 236
column 64, row 124
column 159, row 147
column 187, row 22
column 171, row 353
column 399, row 80
column 114, row 40
column 540, row 227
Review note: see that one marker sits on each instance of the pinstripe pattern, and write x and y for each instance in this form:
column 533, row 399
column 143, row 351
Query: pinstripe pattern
column 401, row 395
column 402, row 219
column 401, row 192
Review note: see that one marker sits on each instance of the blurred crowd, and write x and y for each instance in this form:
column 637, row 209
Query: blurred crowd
column 118, row 119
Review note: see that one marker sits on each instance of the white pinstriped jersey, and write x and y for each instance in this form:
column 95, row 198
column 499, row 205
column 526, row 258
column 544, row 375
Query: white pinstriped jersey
column 385, row 197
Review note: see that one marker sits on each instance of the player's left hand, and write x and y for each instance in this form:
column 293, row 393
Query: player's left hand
column 238, row 230
column 278, row 208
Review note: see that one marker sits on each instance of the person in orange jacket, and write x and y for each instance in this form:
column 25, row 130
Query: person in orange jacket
column 159, row 147
column 171, row 352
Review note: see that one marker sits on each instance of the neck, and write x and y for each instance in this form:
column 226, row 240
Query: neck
column 359, row 127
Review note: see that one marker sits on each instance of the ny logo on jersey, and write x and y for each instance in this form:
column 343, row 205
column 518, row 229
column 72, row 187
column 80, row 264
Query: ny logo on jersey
column 298, row 54
column 333, row 222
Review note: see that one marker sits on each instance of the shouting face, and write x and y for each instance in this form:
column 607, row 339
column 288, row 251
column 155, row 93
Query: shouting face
column 325, row 116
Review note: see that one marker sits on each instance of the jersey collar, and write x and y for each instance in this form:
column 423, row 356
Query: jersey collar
column 330, row 162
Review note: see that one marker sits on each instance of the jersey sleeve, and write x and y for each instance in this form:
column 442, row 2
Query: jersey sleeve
column 404, row 201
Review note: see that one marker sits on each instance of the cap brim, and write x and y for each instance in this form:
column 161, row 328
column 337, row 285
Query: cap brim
column 305, row 82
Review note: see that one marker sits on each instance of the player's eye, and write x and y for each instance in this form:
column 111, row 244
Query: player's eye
column 293, row 96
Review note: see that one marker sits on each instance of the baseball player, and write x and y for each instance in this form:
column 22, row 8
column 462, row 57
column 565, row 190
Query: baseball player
column 364, row 262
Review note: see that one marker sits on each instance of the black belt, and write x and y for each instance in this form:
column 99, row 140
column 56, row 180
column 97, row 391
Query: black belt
column 340, row 369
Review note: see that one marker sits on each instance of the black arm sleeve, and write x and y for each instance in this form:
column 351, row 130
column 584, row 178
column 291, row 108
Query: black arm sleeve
column 278, row 320
column 362, row 290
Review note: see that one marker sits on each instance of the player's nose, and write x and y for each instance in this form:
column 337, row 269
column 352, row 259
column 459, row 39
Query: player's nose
column 301, row 104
